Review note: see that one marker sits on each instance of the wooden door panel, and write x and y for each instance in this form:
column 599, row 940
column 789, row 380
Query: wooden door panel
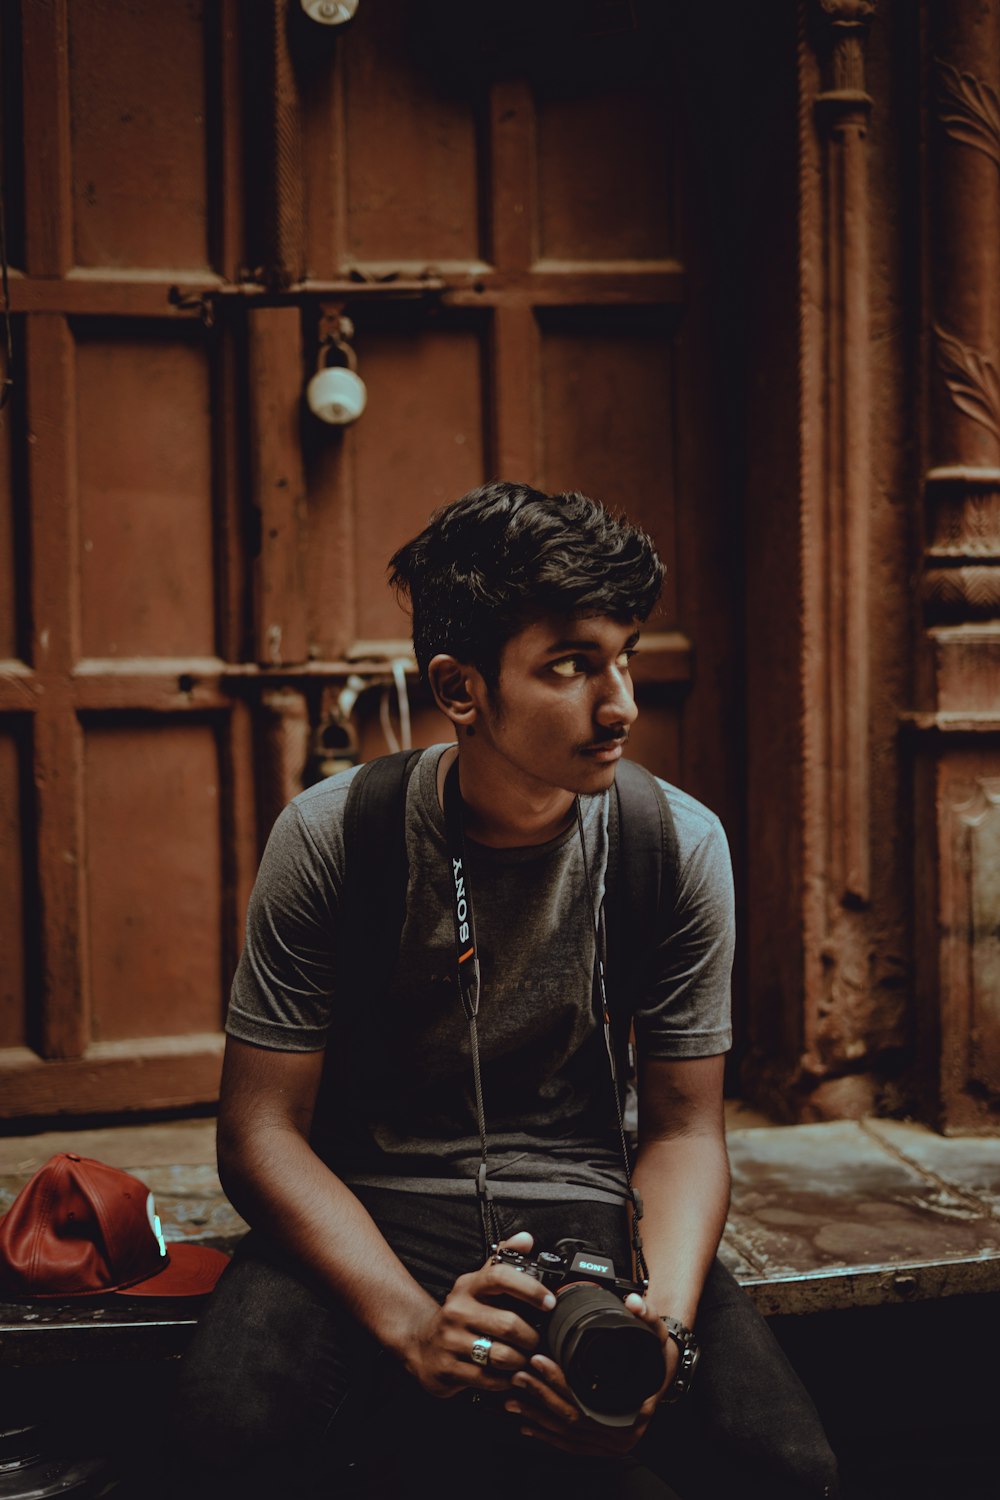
column 655, row 740
column 125, row 871
column 14, row 961
column 11, row 131
column 411, row 150
column 10, row 574
column 600, row 195
column 329, row 565
column 144, row 468
column 608, row 415
column 426, row 447
column 139, row 162
column 152, row 840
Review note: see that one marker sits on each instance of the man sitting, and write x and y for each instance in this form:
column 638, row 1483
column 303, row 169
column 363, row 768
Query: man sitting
column 383, row 1141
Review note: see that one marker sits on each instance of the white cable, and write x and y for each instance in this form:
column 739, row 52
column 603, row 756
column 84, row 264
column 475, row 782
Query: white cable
column 385, row 719
column 403, row 701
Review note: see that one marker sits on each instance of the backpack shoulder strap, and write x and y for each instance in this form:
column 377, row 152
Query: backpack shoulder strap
column 375, row 868
column 641, row 889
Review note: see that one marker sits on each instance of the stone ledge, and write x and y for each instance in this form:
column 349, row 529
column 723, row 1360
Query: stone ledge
column 856, row 1213
column 823, row 1217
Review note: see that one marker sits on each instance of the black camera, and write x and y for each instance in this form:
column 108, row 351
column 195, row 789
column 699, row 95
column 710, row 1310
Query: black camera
column 611, row 1360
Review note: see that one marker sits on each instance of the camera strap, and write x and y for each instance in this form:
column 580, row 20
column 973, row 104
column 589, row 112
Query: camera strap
column 604, row 1011
column 468, row 976
column 467, row 970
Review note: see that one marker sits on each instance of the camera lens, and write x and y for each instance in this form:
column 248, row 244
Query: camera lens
column 612, row 1362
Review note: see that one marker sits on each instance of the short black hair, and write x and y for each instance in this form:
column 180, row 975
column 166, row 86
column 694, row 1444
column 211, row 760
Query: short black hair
column 505, row 555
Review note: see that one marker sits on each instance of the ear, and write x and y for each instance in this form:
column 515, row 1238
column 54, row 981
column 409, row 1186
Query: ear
column 456, row 688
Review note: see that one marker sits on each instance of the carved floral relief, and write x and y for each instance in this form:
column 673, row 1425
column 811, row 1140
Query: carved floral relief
column 971, row 379
column 969, row 110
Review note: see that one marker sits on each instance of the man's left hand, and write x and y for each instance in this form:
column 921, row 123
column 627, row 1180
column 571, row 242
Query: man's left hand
column 543, row 1401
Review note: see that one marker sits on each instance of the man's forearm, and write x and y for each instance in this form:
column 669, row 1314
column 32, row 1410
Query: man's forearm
column 275, row 1179
column 684, row 1183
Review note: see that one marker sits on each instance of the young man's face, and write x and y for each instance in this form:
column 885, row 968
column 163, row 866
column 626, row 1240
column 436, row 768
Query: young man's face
column 564, row 704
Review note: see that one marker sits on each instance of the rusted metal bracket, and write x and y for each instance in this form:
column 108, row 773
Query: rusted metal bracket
column 355, row 287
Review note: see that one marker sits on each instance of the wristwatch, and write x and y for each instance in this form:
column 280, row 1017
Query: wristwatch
column 690, row 1354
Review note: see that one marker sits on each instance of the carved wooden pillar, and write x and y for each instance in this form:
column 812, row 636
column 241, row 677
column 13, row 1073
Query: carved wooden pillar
column 833, row 1075
column 958, row 735
column 842, row 111
column 812, row 1008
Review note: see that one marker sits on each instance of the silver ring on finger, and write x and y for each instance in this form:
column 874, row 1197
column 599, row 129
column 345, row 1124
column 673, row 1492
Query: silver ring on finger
column 481, row 1350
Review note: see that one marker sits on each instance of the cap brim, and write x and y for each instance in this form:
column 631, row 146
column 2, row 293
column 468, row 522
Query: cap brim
column 192, row 1271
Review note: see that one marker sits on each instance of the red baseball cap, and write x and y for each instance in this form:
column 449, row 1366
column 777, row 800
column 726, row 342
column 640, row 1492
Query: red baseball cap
column 80, row 1228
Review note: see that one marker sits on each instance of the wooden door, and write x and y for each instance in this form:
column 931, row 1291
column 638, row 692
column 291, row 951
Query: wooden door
column 192, row 566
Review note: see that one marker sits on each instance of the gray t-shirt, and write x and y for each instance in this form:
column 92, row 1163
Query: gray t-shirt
column 398, row 1102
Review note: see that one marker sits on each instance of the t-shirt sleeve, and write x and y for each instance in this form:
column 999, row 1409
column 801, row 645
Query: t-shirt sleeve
column 687, row 1011
column 282, row 994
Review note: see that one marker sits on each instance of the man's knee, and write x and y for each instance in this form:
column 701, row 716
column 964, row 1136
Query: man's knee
column 808, row 1471
column 785, row 1462
column 270, row 1368
column 243, row 1439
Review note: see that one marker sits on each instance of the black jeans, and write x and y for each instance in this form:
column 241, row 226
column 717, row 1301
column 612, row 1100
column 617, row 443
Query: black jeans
column 282, row 1394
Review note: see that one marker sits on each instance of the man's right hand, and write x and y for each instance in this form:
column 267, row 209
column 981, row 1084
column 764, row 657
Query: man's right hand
column 440, row 1354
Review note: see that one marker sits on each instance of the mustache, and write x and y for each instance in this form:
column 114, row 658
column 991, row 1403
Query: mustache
column 613, row 736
